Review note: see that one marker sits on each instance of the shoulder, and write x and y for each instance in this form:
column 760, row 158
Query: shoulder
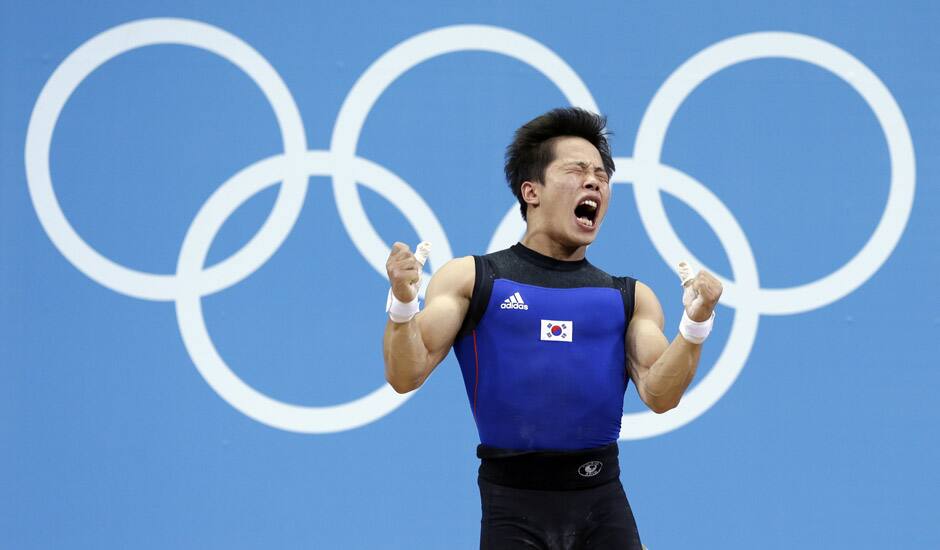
column 506, row 252
column 499, row 258
column 646, row 304
column 457, row 269
column 625, row 284
column 644, row 292
column 593, row 271
column 456, row 276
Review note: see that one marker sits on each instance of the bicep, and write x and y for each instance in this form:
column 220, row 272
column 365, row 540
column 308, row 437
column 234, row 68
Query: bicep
column 645, row 340
column 446, row 302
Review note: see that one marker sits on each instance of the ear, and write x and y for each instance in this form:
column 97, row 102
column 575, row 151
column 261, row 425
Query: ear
column 530, row 192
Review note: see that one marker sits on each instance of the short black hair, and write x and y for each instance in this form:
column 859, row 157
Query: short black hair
column 532, row 148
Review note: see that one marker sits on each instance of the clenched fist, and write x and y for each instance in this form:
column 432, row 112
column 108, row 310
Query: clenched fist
column 701, row 293
column 404, row 270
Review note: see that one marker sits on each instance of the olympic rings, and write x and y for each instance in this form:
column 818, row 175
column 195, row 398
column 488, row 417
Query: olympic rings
column 394, row 63
column 81, row 63
column 193, row 280
column 681, row 83
column 209, row 220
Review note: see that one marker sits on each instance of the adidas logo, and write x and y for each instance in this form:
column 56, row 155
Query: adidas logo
column 514, row 302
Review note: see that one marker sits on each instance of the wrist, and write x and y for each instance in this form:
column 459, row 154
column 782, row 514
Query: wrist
column 398, row 311
column 695, row 332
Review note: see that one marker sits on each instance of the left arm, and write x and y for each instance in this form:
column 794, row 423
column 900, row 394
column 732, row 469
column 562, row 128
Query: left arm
column 661, row 370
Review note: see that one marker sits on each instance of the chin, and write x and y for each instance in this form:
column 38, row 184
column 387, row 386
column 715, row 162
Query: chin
column 588, row 240
column 583, row 236
column 581, row 239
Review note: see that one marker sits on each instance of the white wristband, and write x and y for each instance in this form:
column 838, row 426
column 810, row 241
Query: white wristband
column 398, row 311
column 695, row 331
column 402, row 312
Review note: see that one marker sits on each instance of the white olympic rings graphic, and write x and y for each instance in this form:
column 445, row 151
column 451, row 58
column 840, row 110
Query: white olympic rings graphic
column 649, row 177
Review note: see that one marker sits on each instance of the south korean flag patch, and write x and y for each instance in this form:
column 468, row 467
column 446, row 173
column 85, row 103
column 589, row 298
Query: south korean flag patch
column 556, row 331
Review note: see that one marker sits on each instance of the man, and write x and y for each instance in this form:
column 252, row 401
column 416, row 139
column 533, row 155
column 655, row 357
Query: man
column 547, row 343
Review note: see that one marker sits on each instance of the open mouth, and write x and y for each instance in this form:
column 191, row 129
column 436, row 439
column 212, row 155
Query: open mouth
column 586, row 213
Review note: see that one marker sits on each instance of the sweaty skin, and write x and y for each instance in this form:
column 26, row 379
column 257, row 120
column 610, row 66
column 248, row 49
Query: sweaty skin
column 661, row 371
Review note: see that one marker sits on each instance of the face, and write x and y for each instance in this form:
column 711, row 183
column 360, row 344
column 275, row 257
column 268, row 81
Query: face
column 575, row 193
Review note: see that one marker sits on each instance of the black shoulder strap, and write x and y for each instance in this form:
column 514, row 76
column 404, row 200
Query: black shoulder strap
column 482, row 289
column 627, row 287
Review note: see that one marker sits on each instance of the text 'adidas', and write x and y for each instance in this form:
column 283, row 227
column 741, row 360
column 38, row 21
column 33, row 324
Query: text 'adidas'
column 514, row 302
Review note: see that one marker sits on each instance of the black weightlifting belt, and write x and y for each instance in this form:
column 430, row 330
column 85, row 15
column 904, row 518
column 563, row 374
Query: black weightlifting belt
column 549, row 470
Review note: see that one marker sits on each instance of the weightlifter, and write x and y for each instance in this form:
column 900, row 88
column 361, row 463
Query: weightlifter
column 547, row 344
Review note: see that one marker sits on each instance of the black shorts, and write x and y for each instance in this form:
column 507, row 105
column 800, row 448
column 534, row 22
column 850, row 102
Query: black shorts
column 554, row 500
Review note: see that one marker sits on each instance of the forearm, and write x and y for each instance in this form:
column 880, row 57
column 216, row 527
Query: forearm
column 406, row 357
column 668, row 377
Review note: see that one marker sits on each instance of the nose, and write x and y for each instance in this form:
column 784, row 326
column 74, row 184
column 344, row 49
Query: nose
column 592, row 182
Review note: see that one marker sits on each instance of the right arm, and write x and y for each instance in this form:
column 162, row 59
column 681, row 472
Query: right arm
column 411, row 350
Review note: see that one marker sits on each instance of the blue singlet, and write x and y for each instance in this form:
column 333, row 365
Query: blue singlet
column 542, row 351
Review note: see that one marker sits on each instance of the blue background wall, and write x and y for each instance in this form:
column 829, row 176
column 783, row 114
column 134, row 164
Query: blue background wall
column 111, row 438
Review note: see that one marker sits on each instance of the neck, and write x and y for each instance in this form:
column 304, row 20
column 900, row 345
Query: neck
column 545, row 245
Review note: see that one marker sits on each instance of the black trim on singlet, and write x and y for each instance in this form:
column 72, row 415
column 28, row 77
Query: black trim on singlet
column 521, row 252
column 524, row 265
column 482, row 289
column 627, row 288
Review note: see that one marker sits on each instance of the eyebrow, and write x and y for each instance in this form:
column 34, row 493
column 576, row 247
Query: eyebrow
column 580, row 163
column 584, row 166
